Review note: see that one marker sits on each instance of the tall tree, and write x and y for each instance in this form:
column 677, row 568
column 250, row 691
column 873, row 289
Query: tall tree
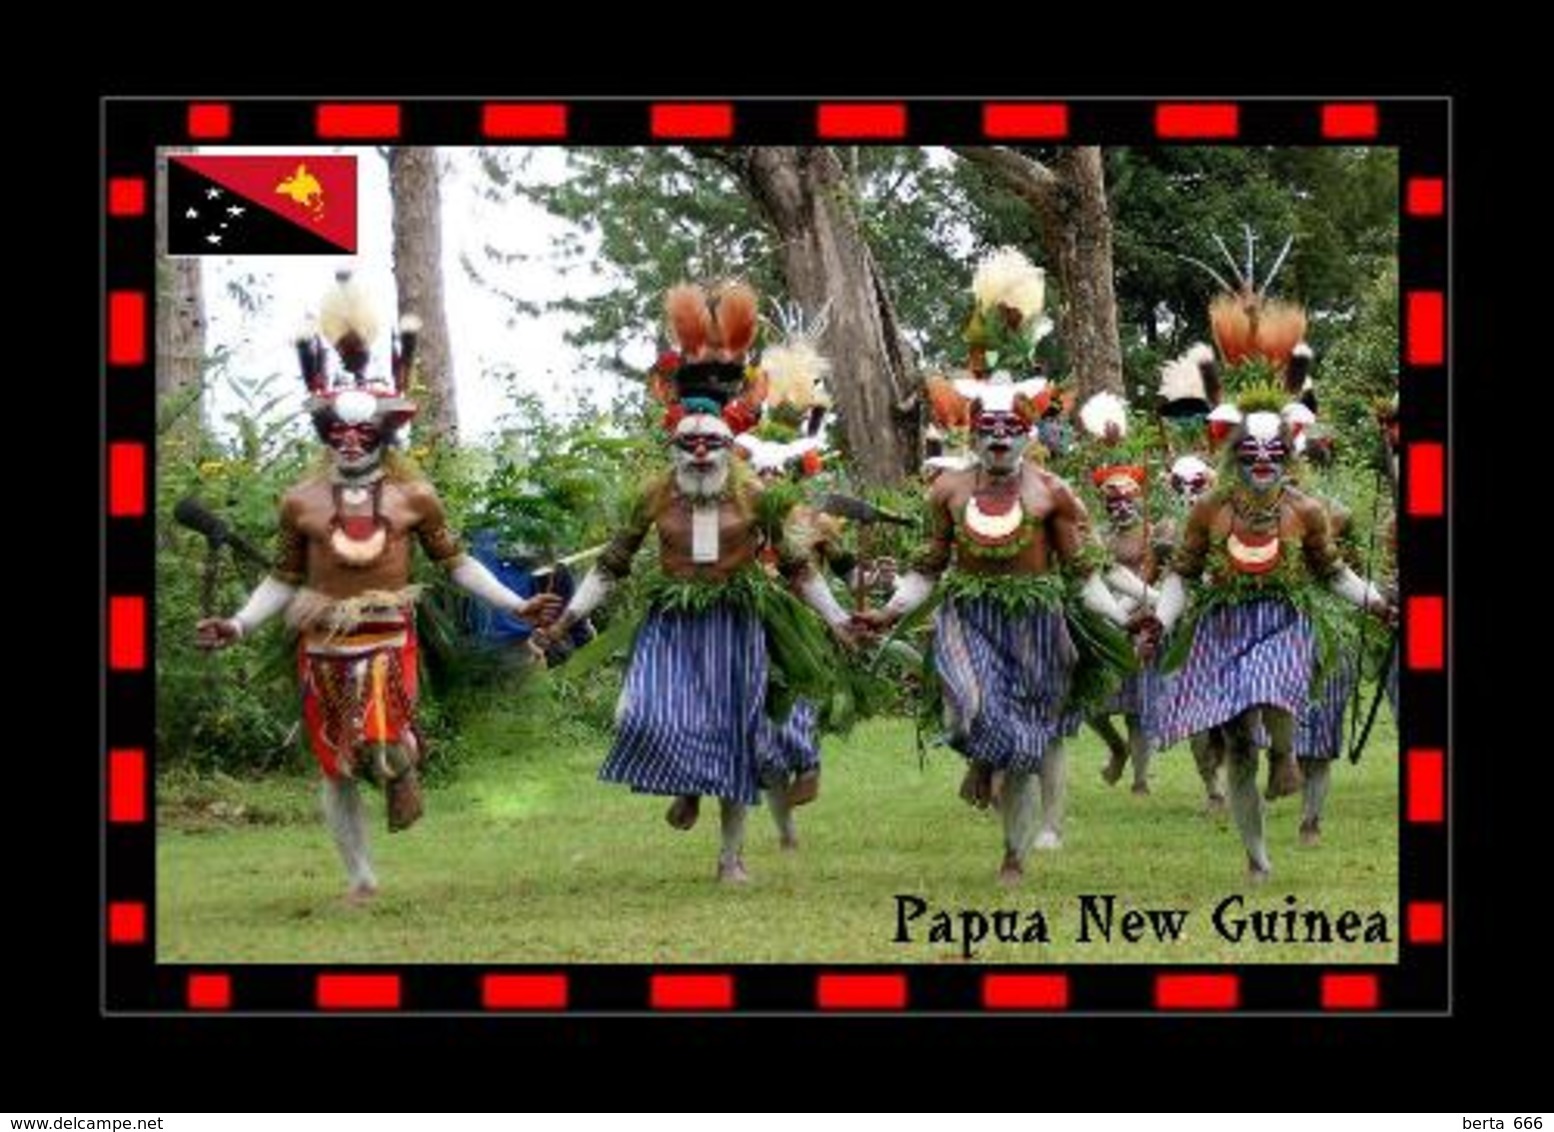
column 803, row 193
column 1068, row 195
column 413, row 180
column 180, row 318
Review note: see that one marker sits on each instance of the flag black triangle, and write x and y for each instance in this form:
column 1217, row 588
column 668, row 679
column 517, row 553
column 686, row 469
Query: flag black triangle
column 205, row 218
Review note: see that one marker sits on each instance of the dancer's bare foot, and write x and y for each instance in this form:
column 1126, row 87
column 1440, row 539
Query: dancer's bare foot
column 403, row 798
column 1141, row 788
column 1311, row 832
column 788, row 842
column 805, row 788
column 1284, row 778
column 976, row 788
column 1258, row 873
column 1049, row 839
column 360, row 893
column 1215, row 806
column 1011, row 872
column 683, row 811
column 733, row 872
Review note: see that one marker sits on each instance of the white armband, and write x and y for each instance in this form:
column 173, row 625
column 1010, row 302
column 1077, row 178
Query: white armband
column 1098, row 599
column 271, row 596
column 1173, row 600
column 471, row 576
column 1352, row 588
column 1126, row 582
column 911, row 591
column 819, row 597
column 590, row 595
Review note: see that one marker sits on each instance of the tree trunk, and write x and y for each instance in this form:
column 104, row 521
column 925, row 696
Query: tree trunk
column 802, row 192
column 180, row 315
column 418, row 278
column 1070, row 201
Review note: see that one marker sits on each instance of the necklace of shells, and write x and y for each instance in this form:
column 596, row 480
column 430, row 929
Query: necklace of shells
column 358, row 533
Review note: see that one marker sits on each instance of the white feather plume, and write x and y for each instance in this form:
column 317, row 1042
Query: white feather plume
column 347, row 307
column 1298, row 415
column 1102, row 413
column 1181, row 379
column 795, row 371
column 767, row 456
column 1006, row 277
column 998, row 396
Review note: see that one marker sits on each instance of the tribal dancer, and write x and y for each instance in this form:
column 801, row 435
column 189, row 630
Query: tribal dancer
column 1130, row 544
column 1254, row 548
column 693, row 709
column 342, row 578
column 1002, row 647
column 787, row 443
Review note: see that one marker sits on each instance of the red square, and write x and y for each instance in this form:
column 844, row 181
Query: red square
column 126, row 196
column 1426, row 921
column 126, row 633
column 126, row 328
column 1025, row 992
column 1350, row 992
column 1197, row 992
column 692, row 120
column 1426, row 328
column 1426, row 480
column 127, row 921
column 127, row 786
column 1350, row 120
column 1426, row 196
column 210, row 992
column 524, row 992
column 691, row 992
column 835, row 991
column 1426, row 786
column 524, row 120
column 1425, row 620
column 210, row 120
column 126, row 480
column 1025, row 119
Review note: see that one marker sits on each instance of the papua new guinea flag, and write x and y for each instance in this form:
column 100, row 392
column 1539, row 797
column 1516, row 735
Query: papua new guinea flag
column 261, row 204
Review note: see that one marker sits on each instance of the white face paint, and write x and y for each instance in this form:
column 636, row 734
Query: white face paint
column 1191, row 478
column 999, row 439
column 701, row 453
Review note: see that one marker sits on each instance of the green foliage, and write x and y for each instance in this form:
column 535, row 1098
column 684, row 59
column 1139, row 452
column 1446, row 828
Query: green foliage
column 236, row 709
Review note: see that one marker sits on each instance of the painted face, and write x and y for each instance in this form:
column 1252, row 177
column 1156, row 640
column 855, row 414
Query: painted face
column 1192, row 485
column 358, row 448
column 701, row 454
column 1121, row 496
column 1261, row 454
column 1000, row 439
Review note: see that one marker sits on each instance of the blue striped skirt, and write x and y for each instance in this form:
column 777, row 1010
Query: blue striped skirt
column 1143, row 695
column 1244, row 654
column 693, row 706
column 793, row 747
column 1005, row 677
column 1320, row 732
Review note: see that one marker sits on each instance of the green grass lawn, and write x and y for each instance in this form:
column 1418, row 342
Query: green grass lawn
column 526, row 857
